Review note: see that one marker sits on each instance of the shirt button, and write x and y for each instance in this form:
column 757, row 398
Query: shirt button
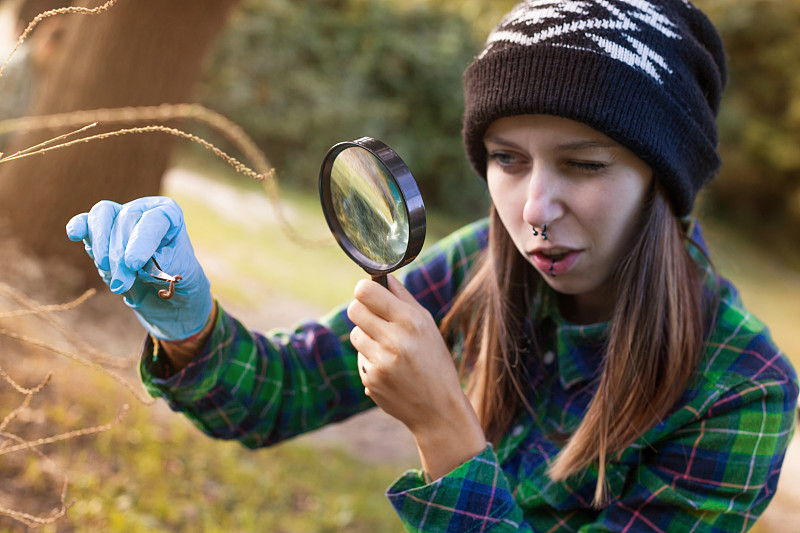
column 517, row 431
column 549, row 357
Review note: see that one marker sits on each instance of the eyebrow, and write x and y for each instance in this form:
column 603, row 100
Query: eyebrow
column 569, row 146
column 584, row 145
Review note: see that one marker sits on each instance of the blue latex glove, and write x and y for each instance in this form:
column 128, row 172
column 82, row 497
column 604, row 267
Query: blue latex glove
column 122, row 238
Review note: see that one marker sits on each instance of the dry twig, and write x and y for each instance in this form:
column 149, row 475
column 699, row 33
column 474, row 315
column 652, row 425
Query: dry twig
column 11, row 442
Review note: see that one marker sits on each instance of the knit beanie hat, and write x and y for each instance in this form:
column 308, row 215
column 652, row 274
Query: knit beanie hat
column 648, row 74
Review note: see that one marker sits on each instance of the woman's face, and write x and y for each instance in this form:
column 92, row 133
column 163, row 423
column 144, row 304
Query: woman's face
column 587, row 188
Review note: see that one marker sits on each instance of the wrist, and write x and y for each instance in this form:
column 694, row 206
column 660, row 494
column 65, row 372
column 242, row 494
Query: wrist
column 449, row 442
column 181, row 352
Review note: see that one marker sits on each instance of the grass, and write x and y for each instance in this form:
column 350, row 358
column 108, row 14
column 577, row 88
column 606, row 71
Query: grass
column 156, row 473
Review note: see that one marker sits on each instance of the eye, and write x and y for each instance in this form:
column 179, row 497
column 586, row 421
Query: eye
column 590, row 167
column 508, row 161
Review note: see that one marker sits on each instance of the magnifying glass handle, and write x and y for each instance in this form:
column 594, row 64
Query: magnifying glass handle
column 381, row 278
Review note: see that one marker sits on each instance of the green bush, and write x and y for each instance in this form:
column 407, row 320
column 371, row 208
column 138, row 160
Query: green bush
column 301, row 76
column 759, row 122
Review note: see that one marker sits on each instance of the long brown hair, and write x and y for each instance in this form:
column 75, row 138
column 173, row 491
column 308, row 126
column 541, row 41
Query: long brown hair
column 653, row 346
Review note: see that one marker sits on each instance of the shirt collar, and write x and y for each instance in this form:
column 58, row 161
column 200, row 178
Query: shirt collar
column 579, row 348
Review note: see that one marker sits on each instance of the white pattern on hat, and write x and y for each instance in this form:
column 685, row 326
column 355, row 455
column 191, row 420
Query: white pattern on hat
column 578, row 21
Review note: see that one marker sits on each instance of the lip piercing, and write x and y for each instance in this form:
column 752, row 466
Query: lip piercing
column 553, row 274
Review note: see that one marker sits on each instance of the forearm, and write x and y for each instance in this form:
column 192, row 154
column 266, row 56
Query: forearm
column 294, row 380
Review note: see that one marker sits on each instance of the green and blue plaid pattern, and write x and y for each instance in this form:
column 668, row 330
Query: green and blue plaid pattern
column 711, row 465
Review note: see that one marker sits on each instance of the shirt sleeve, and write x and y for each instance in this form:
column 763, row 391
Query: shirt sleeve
column 476, row 496
column 261, row 389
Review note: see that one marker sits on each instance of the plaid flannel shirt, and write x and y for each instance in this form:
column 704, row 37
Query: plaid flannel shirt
column 711, row 465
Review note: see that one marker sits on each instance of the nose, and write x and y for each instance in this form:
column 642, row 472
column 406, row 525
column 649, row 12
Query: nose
column 543, row 204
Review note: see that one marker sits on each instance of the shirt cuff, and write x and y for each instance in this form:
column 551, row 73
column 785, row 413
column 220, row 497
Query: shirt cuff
column 476, row 496
column 197, row 378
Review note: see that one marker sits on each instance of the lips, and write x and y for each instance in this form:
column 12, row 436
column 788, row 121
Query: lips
column 554, row 261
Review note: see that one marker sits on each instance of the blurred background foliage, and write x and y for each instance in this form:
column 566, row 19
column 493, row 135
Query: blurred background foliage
column 301, row 76
column 759, row 184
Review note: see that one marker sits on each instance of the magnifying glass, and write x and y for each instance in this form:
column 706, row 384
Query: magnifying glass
column 372, row 205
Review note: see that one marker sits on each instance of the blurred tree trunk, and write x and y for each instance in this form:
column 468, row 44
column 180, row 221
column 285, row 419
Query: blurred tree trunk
column 140, row 52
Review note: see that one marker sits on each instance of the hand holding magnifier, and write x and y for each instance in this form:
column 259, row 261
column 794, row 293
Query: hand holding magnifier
column 372, row 205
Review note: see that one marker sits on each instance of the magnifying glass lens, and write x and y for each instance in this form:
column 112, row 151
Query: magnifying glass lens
column 369, row 207
column 372, row 205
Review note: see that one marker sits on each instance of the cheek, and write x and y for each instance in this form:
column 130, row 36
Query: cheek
column 502, row 197
column 623, row 212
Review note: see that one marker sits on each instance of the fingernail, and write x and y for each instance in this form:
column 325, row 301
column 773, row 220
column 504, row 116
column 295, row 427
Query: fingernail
column 117, row 286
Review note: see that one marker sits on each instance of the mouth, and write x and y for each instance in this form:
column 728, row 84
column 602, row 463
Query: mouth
column 554, row 261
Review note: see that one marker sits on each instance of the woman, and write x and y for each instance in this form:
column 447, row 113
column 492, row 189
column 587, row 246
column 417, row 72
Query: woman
column 605, row 379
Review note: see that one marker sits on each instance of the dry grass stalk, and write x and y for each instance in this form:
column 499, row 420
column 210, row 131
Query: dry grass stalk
column 233, row 162
column 28, row 445
column 46, row 314
column 38, row 521
column 146, row 400
column 27, row 518
column 11, row 442
column 56, row 514
column 5, row 436
column 53, row 12
column 35, row 147
column 46, row 308
column 160, row 113
column 261, row 169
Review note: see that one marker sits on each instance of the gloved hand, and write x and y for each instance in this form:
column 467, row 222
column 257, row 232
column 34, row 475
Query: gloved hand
column 122, row 238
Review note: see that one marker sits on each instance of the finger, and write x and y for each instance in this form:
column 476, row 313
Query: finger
column 78, row 227
column 399, row 290
column 369, row 324
column 146, row 237
column 394, row 305
column 376, row 299
column 363, row 372
column 100, row 223
column 122, row 276
column 365, row 345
